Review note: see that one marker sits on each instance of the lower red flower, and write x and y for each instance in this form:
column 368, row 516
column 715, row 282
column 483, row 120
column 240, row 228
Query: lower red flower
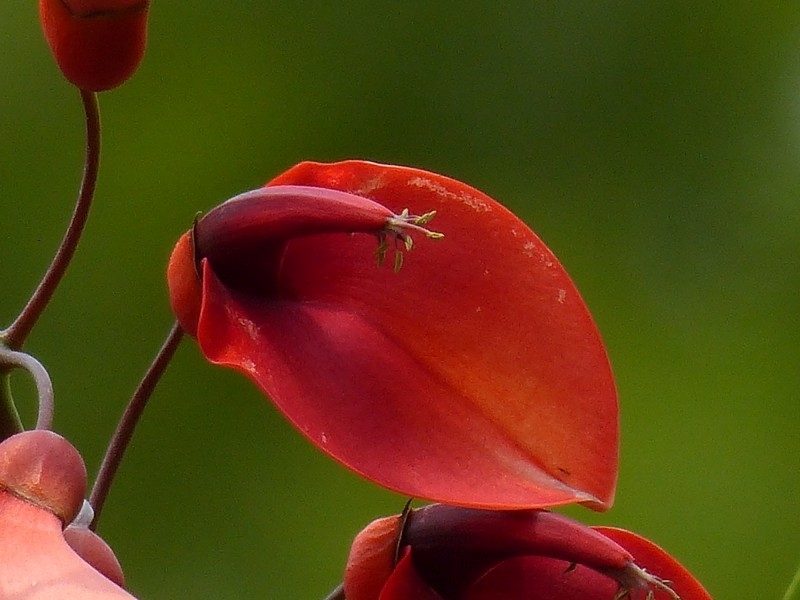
column 447, row 553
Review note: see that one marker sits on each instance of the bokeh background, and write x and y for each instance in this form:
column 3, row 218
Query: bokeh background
column 654, row 145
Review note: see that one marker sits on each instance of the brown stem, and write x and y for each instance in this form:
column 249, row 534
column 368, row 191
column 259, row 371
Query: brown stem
column 16, row 334
column 130, row 418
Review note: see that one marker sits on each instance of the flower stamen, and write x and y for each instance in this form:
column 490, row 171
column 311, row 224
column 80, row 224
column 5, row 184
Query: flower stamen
column 396, row 232
column 635, row 577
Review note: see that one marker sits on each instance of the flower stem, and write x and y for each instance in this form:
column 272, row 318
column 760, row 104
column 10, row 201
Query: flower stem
column 793, row 586
column 12, row 359
column 10, row 422
column 337, row 593
column 130, row 418
column 14, row 337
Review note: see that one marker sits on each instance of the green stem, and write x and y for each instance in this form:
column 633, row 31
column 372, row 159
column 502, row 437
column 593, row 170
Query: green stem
column 793, row 586
column 127, row 424
column 14, row 337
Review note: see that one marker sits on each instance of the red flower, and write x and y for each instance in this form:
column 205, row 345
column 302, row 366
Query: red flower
column 473, row 376
column 98, row 44
column 447, row 553
column 42, row 484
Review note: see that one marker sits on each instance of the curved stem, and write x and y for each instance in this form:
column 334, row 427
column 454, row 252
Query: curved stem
column 130, row 418
column 337, row 593
column 793, row 586
column 18, row 331
column 10, row 422
column 41, row 378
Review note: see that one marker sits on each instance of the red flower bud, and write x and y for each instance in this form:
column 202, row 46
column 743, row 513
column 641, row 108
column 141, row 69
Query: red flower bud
column 98, row 44
column 473, row 375
column 44, row 469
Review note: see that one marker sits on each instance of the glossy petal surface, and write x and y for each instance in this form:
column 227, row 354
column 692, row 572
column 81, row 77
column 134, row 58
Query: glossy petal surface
column 474, row 376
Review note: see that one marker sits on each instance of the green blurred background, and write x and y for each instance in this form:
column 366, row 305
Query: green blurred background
column 654, row 146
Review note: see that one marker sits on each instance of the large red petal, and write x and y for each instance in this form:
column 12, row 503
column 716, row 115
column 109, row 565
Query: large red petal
column 474, row 376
